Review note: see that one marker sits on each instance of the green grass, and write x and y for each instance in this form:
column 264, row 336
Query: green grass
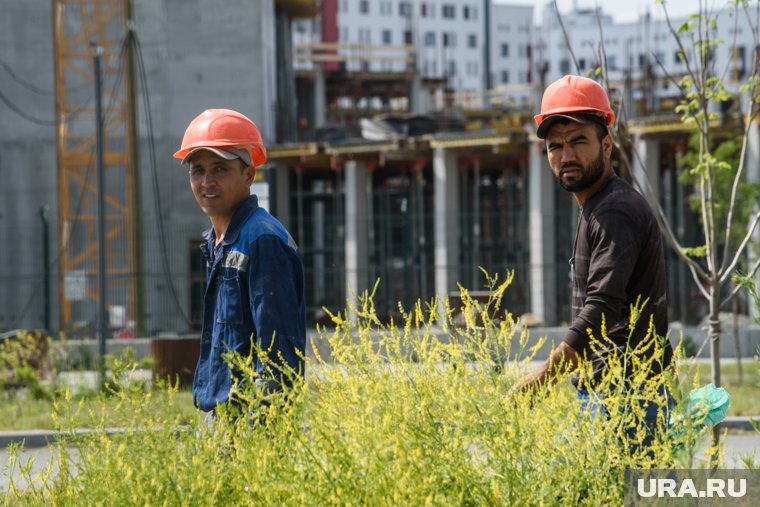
column 745, row 399
column 20, row 411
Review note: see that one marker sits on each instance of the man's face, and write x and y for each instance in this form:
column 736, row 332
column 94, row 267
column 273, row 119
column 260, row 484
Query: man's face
column 219, row 185
column 576, row 155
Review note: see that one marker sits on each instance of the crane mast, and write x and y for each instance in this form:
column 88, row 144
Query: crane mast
column 79, row 26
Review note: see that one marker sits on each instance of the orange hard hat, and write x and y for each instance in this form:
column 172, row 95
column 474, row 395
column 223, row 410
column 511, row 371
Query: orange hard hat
column 223, row 128
column 577, row 98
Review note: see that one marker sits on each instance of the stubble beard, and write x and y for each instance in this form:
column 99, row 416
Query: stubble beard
column 589, row 175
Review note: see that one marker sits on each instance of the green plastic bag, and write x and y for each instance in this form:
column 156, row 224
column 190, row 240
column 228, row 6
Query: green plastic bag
column 706, row 406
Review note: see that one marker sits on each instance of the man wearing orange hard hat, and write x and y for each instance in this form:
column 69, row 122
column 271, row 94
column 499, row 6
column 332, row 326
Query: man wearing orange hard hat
column 618, row 258
column 254, row 273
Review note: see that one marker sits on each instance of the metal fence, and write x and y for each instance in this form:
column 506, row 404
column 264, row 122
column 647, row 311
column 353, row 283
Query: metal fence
column 400, row 245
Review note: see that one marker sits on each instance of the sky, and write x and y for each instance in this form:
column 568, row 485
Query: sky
column 628, row 10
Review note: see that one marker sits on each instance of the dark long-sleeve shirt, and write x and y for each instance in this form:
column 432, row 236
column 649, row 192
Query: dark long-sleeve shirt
column 617, row 259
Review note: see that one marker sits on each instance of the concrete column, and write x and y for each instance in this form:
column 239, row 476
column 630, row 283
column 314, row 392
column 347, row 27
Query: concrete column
column 357, row 257
column 646, row 168
column 279, row 193
column 446, row 226
column 752, row 166
column 319, row 96
column 541, row 220
column 475, row 246
column 417, row 96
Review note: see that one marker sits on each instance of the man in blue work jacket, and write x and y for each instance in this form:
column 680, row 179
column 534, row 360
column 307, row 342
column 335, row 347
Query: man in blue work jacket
column 254, row 273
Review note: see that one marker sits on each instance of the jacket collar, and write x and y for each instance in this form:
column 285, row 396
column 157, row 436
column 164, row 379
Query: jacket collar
column 240, row 216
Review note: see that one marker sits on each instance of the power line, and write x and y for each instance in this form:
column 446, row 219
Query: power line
column 24, row 114
column 154, row 173
column 31, row 87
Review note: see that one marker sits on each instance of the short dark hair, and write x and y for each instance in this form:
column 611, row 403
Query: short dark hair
column 601, row 131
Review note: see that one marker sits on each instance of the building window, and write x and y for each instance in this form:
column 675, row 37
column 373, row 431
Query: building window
column 564, row 66
column 582, row 63
column 405, row 9
column 612, row 62
column 408, row 37
column 423, row 10
column 386, row 36
column 737, row 55
column 449, row 11
column 430, row 38
column 364, row 6
column 452, row 68
column 449, row 39
column 505, row 49
column 472, row 40
column 466, row 12
column 505, row 76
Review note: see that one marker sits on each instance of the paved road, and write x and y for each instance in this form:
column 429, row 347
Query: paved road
column 737, row 447
column 37, row 458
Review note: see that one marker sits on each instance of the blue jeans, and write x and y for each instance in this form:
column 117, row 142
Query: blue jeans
column 593, row 403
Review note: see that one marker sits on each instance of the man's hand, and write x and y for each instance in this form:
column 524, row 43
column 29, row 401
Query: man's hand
column 562, row 359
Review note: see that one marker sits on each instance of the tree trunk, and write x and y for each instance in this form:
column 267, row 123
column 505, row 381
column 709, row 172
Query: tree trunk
column 714, row 335
column 737, row 343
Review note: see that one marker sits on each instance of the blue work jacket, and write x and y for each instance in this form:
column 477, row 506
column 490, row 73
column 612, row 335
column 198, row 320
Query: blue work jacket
column 254, row 291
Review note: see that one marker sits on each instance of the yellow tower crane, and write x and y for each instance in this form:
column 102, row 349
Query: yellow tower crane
column 79, row 26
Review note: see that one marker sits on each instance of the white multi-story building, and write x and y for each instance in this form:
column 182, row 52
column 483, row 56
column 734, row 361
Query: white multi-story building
column 439, row 39
column 644, row 54
column 494, row 54
column 511, row 53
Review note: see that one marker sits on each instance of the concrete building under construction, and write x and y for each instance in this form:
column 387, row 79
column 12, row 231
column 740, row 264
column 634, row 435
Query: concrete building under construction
column 376, row 181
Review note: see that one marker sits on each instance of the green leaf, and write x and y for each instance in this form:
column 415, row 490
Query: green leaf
column 696, row 251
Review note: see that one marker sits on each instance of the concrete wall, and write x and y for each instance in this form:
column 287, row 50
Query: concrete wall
column 27, row 156
column 197, row 56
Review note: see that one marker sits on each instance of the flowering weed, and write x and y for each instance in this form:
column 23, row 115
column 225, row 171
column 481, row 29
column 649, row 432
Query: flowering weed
column 405, row 413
